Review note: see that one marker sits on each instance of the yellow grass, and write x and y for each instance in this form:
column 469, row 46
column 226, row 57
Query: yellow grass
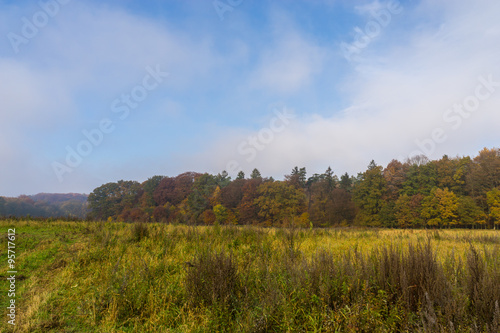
column 94, row 277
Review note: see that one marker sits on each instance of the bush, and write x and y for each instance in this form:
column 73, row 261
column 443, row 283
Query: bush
column 140, row 230
column 212, row 280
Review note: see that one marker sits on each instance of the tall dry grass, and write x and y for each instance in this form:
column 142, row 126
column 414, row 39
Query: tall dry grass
column 115, row 277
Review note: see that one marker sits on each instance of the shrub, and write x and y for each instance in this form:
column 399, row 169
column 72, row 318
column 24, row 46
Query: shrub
column 212, row 279
column 140, row 230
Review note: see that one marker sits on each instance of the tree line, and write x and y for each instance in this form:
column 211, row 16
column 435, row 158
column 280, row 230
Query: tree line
column 45, row 205
column 450, row 192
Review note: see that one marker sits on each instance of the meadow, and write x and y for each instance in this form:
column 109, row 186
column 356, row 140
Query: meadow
column 119, row 277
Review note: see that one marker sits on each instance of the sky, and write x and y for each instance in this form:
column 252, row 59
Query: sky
column 98, row 91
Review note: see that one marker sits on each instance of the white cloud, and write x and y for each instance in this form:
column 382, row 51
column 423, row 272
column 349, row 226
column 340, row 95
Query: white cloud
column 399, row 96
column 103, row 47
column 85, row 57
column 290, row 61
column 369, row 8
column 31, row 102
column 289, row 66
column 31, row 96
column 398, row 93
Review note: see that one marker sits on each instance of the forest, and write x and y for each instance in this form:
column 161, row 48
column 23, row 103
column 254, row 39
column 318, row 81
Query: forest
column 417, row 193
column 45, row 205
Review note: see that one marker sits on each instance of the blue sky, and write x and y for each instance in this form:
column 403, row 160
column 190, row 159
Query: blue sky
column 271, row 85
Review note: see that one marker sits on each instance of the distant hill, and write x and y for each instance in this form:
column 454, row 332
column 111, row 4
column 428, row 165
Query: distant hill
column 53, row 198
column 45, row 205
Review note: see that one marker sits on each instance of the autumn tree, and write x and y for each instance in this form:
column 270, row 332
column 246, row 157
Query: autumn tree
column 221, row 214
column 446, row 192
column 420, row 178
column 440, row 208
column 149, row 187
column 319, row 200
column 199, row 199
column 368, row 195
column 248, row 212
column 297, row 178
column 417, row 160
column 279, row 202
column 386, row 215
column 445, row 170
column 130, row 192
column 484, row 175
column 232, row 194
column 135, row 214
column 407, row 211
column 469, row 213
column 342, row 210
column 174, row 190
column 162, row 213
column 395, row 175
column 493, row 200
column 113, row 199
column 164, row 191
column 460, row 177
column 327, row 204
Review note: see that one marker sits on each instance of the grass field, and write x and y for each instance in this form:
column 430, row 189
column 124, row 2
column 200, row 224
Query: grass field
column 117, row 277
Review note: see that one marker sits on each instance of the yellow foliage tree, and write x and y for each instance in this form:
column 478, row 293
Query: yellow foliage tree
column 407, row 211
column 215, row 198
column 220, row 214
column 279, row 201
column 493, row 200
column 440, row 208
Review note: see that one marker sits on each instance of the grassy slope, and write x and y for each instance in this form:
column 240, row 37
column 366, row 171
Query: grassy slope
column 89, row 277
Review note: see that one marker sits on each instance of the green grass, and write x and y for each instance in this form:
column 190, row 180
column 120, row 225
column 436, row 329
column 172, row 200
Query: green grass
column 117, row 277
